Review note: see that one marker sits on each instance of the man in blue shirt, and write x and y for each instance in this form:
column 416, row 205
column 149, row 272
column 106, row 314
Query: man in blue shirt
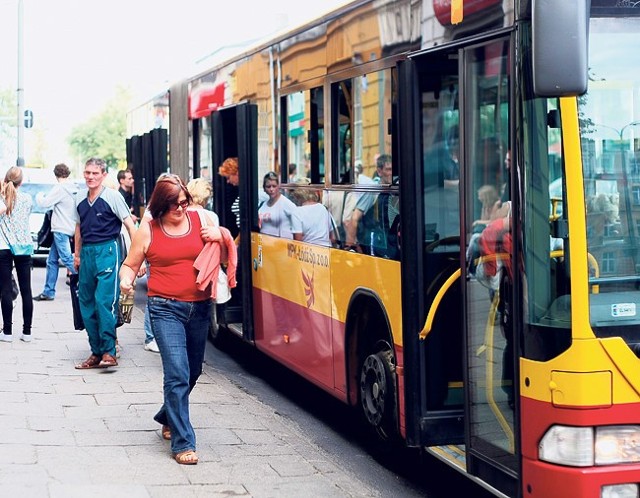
column 100, row 216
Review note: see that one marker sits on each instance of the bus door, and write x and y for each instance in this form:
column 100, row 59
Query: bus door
column 465, row 391
column 492, row 441
column 234, row 131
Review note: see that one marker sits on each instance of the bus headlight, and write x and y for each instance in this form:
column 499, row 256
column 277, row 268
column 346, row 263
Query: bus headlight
column 568, row 446
column 619, row 491
column 617, row 444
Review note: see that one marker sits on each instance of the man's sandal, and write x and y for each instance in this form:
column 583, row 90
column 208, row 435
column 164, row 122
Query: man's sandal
column 166, row 432
column 188, row 457
column 92, row 362
column 108, row 361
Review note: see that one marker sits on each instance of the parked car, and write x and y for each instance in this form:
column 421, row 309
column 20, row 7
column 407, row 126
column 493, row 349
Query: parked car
column 36, row 218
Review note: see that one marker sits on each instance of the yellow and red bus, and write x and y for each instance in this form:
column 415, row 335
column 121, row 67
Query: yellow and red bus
column 479, row 299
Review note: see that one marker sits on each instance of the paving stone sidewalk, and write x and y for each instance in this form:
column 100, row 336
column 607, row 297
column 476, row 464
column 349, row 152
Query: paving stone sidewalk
column 78, row 433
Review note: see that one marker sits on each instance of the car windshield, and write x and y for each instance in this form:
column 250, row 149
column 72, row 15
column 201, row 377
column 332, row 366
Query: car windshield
column 34, row 189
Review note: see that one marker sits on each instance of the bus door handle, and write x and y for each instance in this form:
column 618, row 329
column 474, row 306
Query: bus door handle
column 428, row 324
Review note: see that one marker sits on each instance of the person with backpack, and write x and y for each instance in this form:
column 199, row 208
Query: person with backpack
column 62, row 200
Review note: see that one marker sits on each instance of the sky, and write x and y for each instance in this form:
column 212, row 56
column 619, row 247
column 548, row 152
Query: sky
column 77, row 52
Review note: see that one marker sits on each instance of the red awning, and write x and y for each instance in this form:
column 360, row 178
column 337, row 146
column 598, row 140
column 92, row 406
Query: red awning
column 205, row 99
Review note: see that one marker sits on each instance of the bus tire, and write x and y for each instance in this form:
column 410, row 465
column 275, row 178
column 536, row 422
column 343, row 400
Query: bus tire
column 378, row 393
column 216, row 332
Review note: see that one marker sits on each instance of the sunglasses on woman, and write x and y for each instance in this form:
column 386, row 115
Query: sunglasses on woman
column 184, row 204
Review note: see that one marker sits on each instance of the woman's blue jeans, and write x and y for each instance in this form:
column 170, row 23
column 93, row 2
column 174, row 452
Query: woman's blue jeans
column 180, row 329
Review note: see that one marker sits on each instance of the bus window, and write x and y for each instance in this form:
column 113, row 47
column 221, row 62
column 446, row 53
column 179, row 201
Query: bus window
column 547, row 327
column 303, row 136
column 203, row 161
column 441, row 149
column 364, row 108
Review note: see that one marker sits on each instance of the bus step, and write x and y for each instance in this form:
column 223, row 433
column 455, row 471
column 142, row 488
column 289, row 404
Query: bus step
column 451, row 454
column 236, row 328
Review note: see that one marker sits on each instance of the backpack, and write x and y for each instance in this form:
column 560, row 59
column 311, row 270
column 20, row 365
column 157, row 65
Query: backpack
column 45, row 235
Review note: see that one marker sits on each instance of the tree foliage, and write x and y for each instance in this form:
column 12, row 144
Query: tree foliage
column 8, row 126
column 104, row 134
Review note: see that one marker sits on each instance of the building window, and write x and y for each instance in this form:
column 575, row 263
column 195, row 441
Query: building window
column 609, row 262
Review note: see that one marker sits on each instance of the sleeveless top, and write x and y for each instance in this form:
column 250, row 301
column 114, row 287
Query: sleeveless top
column 14, row 227
column 171, row 257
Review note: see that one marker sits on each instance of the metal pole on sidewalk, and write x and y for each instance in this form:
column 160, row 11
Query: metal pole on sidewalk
column 20, row 123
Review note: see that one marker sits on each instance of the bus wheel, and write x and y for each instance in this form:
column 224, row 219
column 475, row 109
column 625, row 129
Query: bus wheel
column 378, row 393
column 216, row 334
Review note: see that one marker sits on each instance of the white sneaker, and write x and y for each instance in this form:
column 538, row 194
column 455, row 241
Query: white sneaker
column 26, row 338
column 152, row 346
column 6, row 337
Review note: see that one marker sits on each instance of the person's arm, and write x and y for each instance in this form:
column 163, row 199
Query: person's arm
column 351, row 228
column 77, row 246
column 3, row 207
column 296, row 224
column 135, row 258
column 50, row 199
column 131, row 229
column 209, row 232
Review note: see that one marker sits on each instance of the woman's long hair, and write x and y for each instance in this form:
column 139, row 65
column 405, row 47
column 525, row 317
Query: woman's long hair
column 12, row 180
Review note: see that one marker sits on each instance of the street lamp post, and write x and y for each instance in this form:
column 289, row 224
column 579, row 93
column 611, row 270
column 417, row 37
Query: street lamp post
column 20, row 120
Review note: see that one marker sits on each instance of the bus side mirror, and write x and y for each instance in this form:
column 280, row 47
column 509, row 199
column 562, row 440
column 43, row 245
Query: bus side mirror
column 560, row 47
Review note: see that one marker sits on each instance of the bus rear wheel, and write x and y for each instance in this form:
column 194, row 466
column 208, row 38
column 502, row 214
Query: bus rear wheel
column 378, row 393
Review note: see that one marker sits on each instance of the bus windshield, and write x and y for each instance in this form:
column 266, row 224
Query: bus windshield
column 609, row 119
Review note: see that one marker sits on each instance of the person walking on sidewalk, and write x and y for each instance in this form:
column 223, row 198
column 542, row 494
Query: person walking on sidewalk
column 125, row 182
column 179, row 312
column 62, row 199
column 99, row 219
column 16, row 248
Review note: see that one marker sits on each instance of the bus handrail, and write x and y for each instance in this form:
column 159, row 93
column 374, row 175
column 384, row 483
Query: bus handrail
column 436, row 302
column 614, row 280
column 428, row 324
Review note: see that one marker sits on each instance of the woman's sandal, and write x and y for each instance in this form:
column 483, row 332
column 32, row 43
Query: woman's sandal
column 166, row 432
column 188, row 457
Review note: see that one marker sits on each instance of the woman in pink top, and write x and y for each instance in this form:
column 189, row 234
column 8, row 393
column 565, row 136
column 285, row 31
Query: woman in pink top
column 179, row 311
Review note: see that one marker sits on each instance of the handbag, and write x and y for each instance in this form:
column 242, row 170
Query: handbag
column 14, row 288
column 78, row 322
column 223, row 292
column 45, row 235
column 125, row 307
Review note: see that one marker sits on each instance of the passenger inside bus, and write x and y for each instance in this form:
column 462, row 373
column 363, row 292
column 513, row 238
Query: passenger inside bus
column 495, row 272
column 311, row 222
column 229, row 170
column 341, row 203
column 372, row 228
column 276, row 214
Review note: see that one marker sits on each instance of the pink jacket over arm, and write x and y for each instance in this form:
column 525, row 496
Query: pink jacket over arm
column 208, row 263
